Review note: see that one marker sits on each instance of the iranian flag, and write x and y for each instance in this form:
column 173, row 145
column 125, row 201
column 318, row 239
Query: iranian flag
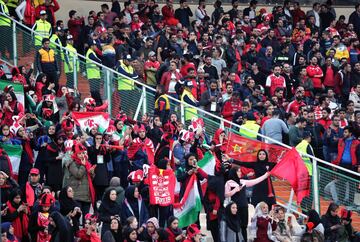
column 207, row 163
column 14, row 153
column 18, row 90
column 190, row 205
column 87, row 120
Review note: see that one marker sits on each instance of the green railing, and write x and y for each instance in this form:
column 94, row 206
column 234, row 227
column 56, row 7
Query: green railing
column 140, row 100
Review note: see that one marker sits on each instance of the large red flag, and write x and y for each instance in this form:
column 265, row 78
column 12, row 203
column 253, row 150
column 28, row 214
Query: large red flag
column 244, row 149
column 293, row 169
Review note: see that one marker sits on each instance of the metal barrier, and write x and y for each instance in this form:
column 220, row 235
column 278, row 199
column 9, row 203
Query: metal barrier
column 140, row 100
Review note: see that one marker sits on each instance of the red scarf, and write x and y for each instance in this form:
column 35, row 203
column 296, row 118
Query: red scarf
column 28, row 150
column 145, row 145
column 43, row 221
column 20, row 223
column 87, row 167
column 29, row 193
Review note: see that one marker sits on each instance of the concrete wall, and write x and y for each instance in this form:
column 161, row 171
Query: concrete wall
column 83, row 7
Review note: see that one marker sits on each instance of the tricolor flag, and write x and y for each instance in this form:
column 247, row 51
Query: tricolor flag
column 18, row 90
column 14, row 153
column 190, row 205
column 87, row 120
column 208, row 163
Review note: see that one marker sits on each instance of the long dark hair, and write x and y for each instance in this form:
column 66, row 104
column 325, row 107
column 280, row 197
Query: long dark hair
column 267, row 156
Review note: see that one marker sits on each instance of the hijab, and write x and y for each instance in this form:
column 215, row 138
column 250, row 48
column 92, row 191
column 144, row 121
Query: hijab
column 67, row 204
column 108, row 206
column 117, row 235
column 133, row 202
column 5, row 227
column 314, row 218
column 176, row 231
column 232, row 220
column 62, row 231
column 127, row 232
column 233, row 175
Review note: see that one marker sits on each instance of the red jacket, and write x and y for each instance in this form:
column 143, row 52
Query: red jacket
column 29, row 14
column 75, row 26
column 53, row 9
column 166, row 78
column 353, row 148
column 312, row 71
column 229, row 107
column 325, row 122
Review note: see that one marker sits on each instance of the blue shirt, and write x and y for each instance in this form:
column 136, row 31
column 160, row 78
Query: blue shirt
column 346, row 156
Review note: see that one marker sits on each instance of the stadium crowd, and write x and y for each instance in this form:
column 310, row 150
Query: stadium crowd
column 286, row 74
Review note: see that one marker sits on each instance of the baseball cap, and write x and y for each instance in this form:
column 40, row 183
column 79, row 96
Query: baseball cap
column 34, row 171
column 69, row 37
column 42, row 12
column 128, row 57
column 151, row 53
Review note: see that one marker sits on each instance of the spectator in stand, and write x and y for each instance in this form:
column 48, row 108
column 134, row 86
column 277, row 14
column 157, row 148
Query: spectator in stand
column 211, row 99
column 348, row 157
column 50, row 7
column 274, row 128
column 275, row 80
column 331, row 138
column 355, row 97
column 354, row 19
column 75, row 24
column 151, row 66
column 315, row 73
column 296, row 132
column 184, row 13
column 169, row 13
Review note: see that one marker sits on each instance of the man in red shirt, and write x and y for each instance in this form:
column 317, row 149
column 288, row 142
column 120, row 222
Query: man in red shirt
column 274, row 80
column 315, row 73
column 50, row 6
column 230, row 107
column 295, row 105
column 150, row 67
column 325, row 121
column 169, row 13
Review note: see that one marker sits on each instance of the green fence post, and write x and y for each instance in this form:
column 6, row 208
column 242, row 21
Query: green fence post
column 15, row 54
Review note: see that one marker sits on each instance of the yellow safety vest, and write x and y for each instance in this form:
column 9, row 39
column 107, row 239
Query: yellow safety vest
column 167, row 105
column 125, row 83
column 92, row 70
column 189, row 111
column 302, row 148
column 47, row 56
column 70, row 52
column 4, row 21
column 250, row 125
column 54, row 39
column 43, row 28
column 12, row 3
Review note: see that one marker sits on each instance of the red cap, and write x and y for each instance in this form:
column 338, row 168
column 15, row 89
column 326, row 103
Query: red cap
column 192, row 230
column 47, row 200
column 34, row 171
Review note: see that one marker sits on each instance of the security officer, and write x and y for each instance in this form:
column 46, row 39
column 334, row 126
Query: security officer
column 46, row 62
column 12, row 5
column 70, row 55
column 304, row 147
column 5, row 30
column 162, row 104
column 43, row 28
column 93, row 72
column 249, row 125
column 188, row 98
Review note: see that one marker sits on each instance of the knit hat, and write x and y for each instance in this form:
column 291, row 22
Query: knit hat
column 15, row 128
column 154, row 221
column 69, row 144
column 89, row 101
column 345, row 214
column 192, row 231
column 67, row 125
column 78, row 148
column 110, row 130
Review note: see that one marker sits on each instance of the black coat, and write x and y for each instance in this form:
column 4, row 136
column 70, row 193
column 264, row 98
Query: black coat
column 54, row 174
column 107, row 209
column 101, row 171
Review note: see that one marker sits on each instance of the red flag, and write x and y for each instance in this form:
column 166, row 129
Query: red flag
column 244, row 149
column 161, row 186
column 293, row 169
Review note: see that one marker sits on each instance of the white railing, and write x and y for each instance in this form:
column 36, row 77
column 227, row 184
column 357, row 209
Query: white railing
column 182, row 105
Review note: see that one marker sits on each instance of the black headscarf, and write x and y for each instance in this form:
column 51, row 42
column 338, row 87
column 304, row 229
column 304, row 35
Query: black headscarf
column 117, row 235
column 267, row 156
column 162, row 164
column 232, row 221
column 13, row 194
column 109, row 206
column 177, row 231
column 66, row 204
column 62, row 231
column 233, row 175
column 127, row 232
column 314, row 217
column 133, row 202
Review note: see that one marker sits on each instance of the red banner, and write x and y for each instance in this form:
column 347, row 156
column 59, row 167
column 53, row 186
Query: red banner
column 244, row 149
column 293, row 169
column 161, row 186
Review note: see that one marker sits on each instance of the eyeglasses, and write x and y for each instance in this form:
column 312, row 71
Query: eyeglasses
column 98, row 138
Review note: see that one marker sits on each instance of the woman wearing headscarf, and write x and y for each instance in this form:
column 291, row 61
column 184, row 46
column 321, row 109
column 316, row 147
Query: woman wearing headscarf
column 59, row 228
column 115, row 232
column 69, row 207
column 108, row 210
column 262, row 224
column 7, row 185
column 133, row 205
column 39, row 220
column 9, row 230
column 11, row 107
column 235, row 189
column 175, row 233
column 332, row 223
column 99, row 156
column 42, row 143
column 6, row 137
column 263, row 191
column 314, row 218
column 17, row 214
column 79, row 177
column 53, row 161
column 230, row 225
column 130, row 235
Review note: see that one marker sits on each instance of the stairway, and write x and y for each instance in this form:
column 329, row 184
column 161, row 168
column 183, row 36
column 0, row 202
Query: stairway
column 282, row 192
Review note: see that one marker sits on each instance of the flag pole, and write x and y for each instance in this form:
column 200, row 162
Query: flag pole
column 289, row 206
